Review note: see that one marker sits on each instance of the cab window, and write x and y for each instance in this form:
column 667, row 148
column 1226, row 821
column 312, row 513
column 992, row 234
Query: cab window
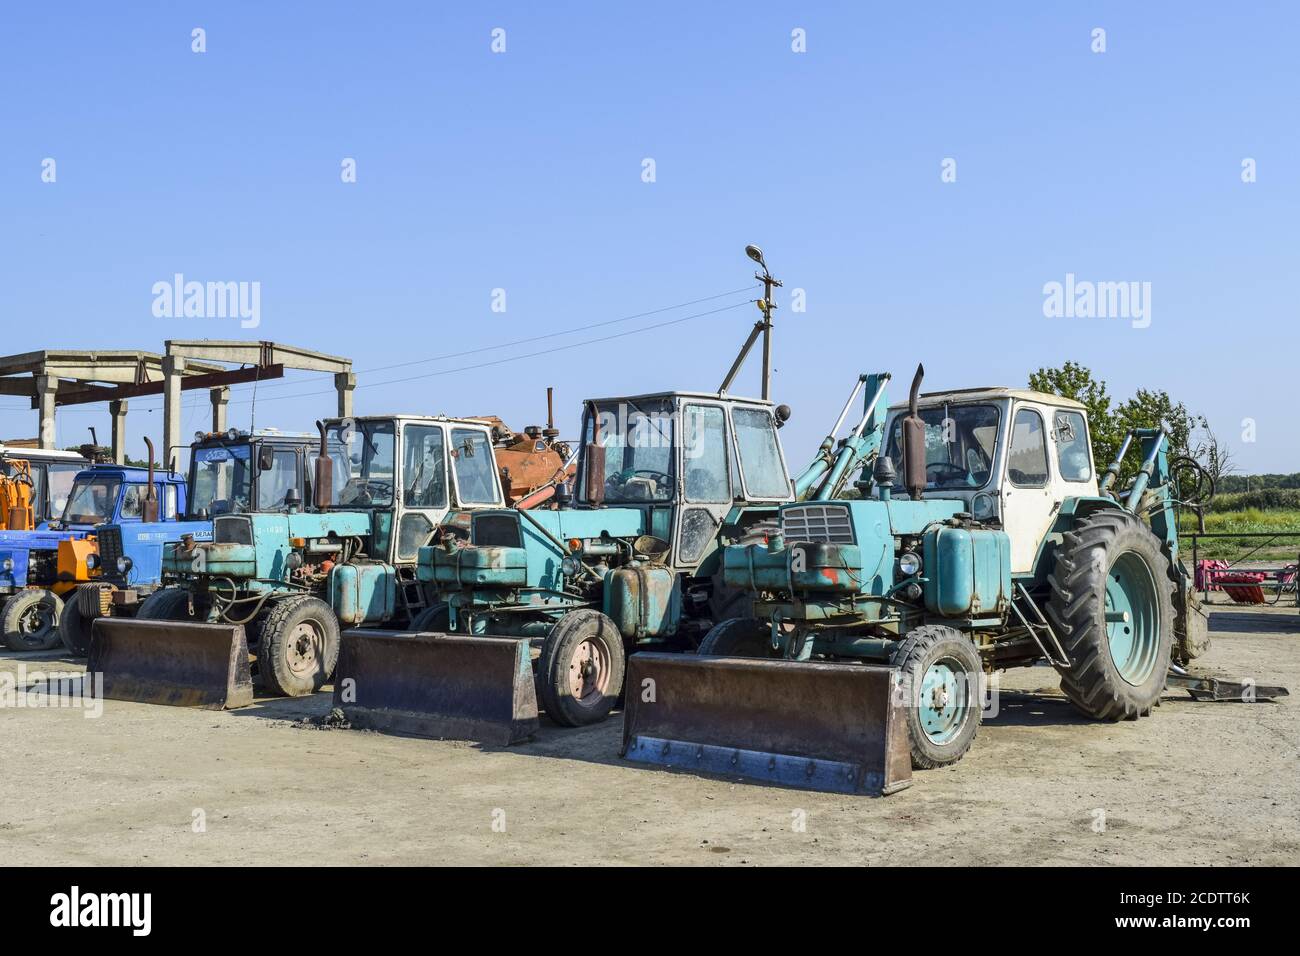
column 424, row 471
column 1073, row 458
column 1027, row 455
column 760, row 453
column 275, row 483
column 704, row 454
column 475, row 474
column 133, row 502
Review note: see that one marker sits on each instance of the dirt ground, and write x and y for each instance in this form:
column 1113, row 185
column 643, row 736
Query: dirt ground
column 1198, row 783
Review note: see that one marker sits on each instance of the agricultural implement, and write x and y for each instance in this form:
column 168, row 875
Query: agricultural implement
column 46, row 475
column 264, row 600
column 979, row 538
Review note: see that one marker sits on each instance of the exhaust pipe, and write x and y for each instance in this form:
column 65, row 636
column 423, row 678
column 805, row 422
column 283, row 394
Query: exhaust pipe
column 914, row 441
column 323, row 485
column 150, row 510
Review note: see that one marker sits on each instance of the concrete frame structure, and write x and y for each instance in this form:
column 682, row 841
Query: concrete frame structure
column 54, row 377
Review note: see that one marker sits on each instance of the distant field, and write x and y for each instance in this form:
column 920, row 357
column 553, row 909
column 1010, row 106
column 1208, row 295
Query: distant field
column 1246, row 521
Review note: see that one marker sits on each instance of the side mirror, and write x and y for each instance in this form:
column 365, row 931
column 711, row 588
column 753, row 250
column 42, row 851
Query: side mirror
column 265, row 458
column 594, row 473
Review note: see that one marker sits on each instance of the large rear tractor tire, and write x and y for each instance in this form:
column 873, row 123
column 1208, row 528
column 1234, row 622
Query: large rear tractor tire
column 580, row 673
column 737, row 637
column 74, row 628
column 169, row 604
column 31, row 620
column 1112, row 608
column 435, row 618
column 298, row 646
column 939, row 677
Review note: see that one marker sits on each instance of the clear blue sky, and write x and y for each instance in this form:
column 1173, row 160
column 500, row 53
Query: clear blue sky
column 523, row 171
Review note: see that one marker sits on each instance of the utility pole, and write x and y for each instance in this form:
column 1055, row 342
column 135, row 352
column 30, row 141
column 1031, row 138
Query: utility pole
column 767, row 306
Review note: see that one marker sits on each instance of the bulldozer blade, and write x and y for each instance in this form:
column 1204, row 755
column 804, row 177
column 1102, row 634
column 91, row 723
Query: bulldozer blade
column 437, row 685
column 172, row 662
column 1215, row 688
column 835, row 727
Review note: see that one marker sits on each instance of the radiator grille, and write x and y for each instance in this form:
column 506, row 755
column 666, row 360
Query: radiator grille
column 109, row 541
column 824, row 524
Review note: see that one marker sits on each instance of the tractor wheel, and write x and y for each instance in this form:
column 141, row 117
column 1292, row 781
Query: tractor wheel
column 31, row 620
column 939, row 676
column 435, row 617
column 298, row 646
column 1111, row 606
column 737, row 637
column 74, row 628
column 169, row 604
column 580, row 674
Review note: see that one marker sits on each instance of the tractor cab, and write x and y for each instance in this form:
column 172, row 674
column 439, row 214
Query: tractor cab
column 685, row 462
column 235, row 472
column 1012, row 456
column 405, row 472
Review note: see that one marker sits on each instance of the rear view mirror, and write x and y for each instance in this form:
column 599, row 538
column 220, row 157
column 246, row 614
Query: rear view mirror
column 265, row 458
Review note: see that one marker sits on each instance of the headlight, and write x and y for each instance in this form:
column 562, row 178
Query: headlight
column 909, row 564
column 571, row 565
column 8, row 564
column 123, row 564
column 92, row 561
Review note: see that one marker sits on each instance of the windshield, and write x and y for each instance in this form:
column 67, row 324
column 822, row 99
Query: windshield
column 475, row 467
column 959, row 445
column 366, row 463
column 760, row 454
column 91, row 501
column 59, row 480
column 221, row 480
column 638, row 443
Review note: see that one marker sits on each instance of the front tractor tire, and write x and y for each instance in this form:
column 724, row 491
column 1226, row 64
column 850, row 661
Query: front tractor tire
column 169, row 604
column 298, row 646
column 580, row 673
column 31, row 620
column 434, row 618
column 74, row 627
column 1111, row 605
column 737, row 637
column 939, row 680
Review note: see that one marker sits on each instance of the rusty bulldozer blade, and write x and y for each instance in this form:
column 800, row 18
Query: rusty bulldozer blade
column 836, row 727
column 172, row 662
column 437, row 685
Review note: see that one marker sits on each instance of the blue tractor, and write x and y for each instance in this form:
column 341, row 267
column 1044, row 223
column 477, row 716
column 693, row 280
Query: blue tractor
column 980, row 536
column 231, row 472
column 39, row 568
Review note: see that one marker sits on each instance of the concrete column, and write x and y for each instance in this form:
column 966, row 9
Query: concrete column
column 117, row 409
column 345, row 383
column 173, row 369
column 220, row 398
column 47, row 386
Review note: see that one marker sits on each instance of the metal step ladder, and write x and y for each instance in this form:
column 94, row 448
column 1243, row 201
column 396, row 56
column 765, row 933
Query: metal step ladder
column 1039, row 628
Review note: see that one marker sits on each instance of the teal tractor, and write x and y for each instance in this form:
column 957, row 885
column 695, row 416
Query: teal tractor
column 979, row 536
column 548, row 603
column 231, row 472
column 263, row 601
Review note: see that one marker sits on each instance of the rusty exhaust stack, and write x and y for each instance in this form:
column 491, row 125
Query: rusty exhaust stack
column 593, row 469
column 323, row 486
column 150, row 509
column 914, row 441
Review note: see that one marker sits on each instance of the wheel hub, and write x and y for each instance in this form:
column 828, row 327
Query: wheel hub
column 303, row 648
column 589, row 671
column 943, row 707
column 1131, row 618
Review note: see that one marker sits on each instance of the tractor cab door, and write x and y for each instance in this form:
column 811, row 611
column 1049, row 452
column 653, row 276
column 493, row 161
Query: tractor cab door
column 1029, row 501
column 707, row 466
column 423, row 493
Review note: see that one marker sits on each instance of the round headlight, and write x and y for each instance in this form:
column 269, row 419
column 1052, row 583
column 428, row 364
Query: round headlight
column 123, row 564
column 983, row 507
column 92, row 561
column 8, row 564
column 199, row 436
column 909, row 564
column 232, row 434
column 570, row 565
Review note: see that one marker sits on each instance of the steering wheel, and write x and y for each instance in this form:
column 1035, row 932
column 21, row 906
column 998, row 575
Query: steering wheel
column 944, row 468
column 661, row 479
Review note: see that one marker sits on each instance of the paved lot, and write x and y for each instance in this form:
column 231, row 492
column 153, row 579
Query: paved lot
column 1195, row 784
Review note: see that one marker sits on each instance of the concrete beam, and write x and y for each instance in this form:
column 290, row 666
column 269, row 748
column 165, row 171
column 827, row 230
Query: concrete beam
column 117, row 411
column 257, row 353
